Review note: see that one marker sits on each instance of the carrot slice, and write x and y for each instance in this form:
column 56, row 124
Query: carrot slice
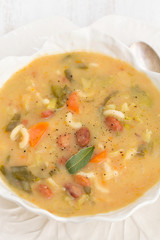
column 73, row 103
column 99, row 157
column 36, row 132
column 45, row 191
column 82, row 180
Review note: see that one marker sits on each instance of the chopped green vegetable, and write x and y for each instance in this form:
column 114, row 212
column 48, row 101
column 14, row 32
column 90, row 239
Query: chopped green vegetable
column 67, row 57
column 141, row 95
column 68, row 74
column 22, row 173
column 25, row 185
column 82, row 66
column 3, row 170
column 19, row 177
column 86, row 83
column 113, row 94
column 79, row 160
column 54, row 171
column 8, row 158
column 60, row 94
column 82, row 200
column 144, row 148
column 52, row 104
column 87, row 189
column 57, row 91
column 13, row 122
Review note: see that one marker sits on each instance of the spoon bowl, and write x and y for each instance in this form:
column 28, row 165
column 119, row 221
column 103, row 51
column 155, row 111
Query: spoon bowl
column 146, row 56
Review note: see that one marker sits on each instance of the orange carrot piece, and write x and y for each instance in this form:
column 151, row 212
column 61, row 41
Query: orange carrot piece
column 45, row 191
column 73, row 103
column 36, row 132
column 99, row 157
column 82, row 180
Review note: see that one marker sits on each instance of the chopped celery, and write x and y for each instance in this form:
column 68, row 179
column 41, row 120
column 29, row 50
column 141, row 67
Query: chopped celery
column 82, row 66
column 82, row 200
column 144, row 148
column 143, row 97
column 87, row 189
column 54, row 171
column 68, row 74
column 8, row 158
column 52, row 104
column 57, row 91
column 86, row 83
column 19, row 176
column 3, row 170
column 60, row 93
column 69, row 200
column 127, row 126
column 22, row 173
column 112, row 94
column 25, row 185
column 13, row 122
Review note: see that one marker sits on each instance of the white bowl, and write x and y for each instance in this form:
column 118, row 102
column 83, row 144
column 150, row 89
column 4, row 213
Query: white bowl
column 86, row 39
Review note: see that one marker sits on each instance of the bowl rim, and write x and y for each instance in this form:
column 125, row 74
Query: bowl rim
column 77, row 219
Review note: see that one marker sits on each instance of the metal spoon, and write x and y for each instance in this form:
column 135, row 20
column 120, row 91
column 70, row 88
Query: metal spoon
column 146, row 56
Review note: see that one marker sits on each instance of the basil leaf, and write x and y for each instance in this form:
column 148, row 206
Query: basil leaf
column 79, row 160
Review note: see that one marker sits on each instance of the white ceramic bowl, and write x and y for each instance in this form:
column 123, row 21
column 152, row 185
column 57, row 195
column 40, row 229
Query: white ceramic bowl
column 86, row 39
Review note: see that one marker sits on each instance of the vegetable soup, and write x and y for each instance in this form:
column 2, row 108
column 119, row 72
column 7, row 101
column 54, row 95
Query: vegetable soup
column 80, row 133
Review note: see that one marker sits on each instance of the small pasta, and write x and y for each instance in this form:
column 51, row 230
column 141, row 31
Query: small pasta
column 114, row 113
column 20, row 129
column 71, row 123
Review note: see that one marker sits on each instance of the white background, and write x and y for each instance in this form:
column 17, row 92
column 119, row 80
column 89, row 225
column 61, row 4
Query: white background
column 15, row 13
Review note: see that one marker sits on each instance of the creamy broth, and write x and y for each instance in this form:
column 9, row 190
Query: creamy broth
column 92, row 105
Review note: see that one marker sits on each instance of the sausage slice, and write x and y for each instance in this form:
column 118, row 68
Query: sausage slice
column 83, row 136
column 64, row 141
column 113, row 124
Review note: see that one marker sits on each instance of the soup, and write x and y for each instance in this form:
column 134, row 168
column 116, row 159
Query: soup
column 80, row 133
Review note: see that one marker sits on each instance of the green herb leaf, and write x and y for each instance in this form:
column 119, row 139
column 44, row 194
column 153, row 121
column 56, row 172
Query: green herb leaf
column 13, row 122
column 79, row 160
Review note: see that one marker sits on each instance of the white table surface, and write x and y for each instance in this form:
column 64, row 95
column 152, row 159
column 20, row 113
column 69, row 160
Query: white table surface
column 15, row 13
